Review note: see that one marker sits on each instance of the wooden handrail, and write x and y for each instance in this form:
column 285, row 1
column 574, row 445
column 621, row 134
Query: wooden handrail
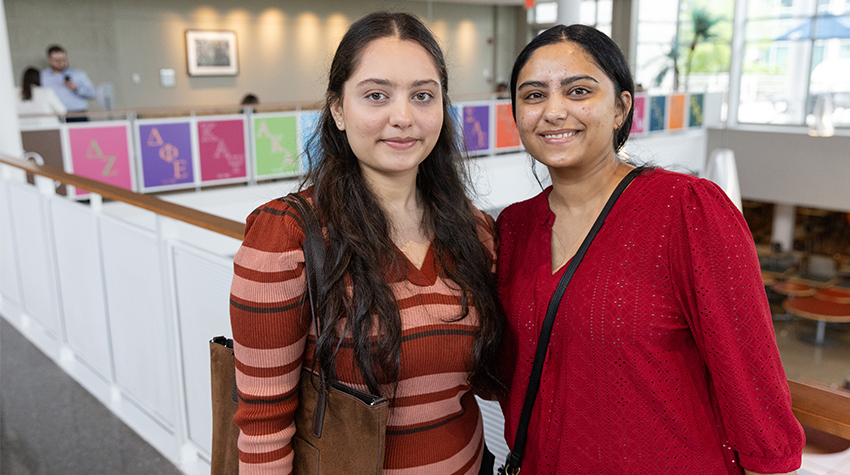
column 821, row 408
column 217, row 224
column 814, row 405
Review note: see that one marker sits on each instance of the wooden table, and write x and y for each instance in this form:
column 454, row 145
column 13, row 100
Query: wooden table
column 767, row 278
column 834, row 294
column 820, row 310
column 792, row 289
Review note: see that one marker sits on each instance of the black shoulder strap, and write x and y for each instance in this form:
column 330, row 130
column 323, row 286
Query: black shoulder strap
column 514, row 460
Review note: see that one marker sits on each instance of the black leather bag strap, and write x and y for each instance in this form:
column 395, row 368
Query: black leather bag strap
column 514, row 460
column 314, row 267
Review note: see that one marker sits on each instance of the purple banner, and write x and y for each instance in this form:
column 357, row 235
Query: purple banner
column 166, row 154
column 476, row 127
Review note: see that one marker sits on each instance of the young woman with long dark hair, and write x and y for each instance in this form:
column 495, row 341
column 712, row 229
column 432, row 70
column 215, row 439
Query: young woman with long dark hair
column 662, row 358
column 412, row 306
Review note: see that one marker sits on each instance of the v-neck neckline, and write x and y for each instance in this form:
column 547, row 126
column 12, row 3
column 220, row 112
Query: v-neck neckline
column 421, row 276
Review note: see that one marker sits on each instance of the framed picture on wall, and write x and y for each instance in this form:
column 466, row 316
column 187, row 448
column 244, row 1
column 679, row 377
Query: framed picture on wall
column 211, row 53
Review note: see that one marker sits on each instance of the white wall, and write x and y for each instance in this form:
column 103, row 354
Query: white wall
column 284, row 48
column 789, row 167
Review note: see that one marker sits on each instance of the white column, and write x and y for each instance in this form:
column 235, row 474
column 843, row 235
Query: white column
column 736, row 65
column 624, row 22
column 800, row 56
column 569, row 11
column 10, row 130
column 784, row 217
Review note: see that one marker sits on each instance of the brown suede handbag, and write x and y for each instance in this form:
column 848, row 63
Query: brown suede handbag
column 338, row 428
column 225, row 455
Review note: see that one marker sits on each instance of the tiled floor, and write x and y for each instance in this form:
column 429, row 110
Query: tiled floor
column 821, row 462
column 828, row 365
column 51, row 425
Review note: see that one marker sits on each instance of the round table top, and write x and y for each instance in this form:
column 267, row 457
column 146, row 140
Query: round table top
column 834, row 294
column 792, row 289
column 817, row 309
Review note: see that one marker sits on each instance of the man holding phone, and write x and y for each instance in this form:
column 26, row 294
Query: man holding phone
column 73, row 86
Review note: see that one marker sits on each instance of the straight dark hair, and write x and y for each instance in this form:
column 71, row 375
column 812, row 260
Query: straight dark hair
column 31, row 78
column 361, row 257
column 605, row 53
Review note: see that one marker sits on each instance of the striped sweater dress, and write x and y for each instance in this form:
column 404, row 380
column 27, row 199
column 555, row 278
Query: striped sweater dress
column 434, row 424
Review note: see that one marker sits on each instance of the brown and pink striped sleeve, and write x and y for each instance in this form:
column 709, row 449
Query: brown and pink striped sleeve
column 270, row 325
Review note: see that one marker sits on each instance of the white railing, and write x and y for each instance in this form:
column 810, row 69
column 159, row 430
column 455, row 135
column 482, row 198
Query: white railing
column 125, row 299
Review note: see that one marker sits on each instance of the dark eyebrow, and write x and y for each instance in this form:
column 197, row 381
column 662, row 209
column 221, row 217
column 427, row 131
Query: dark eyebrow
column 386, row 82
column 572, row 79
column 564, row 82
column 380, row 82
column 425, row 82
column 531, row 84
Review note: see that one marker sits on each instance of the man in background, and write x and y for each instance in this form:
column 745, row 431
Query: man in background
column 73, row 86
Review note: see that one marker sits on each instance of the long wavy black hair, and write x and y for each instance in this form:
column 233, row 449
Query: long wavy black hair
column 361, row 256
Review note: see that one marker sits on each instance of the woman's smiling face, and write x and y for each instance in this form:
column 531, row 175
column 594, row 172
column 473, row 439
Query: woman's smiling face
column 392, row 107
column 567, row 108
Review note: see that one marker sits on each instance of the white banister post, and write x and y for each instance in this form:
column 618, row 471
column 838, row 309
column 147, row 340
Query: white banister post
column 10, row 129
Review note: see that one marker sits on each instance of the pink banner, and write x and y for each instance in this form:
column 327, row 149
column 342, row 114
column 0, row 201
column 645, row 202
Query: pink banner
column 222, row 149
column 102, row 154
column 639, row 118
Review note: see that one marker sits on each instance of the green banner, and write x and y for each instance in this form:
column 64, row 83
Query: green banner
column 696, row 105
column 276, row 145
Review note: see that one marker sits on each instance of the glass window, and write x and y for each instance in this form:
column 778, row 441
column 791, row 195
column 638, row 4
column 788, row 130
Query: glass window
column 830, row 26
column 546, row 13
column 656, row 33
column 786, row 29
column 604, row 11
column 802, row 35
column 757, row 9
column 829, row 78
column 587, row 12
column 596, row 13
column 658, row 11
column 817, row 55
column 697, row 37
column 773, row 85
column 655, row 68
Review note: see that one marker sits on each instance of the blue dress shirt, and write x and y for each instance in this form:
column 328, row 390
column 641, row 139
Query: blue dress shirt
column 74, row 101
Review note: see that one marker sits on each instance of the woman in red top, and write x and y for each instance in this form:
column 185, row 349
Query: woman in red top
column 663, row 357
